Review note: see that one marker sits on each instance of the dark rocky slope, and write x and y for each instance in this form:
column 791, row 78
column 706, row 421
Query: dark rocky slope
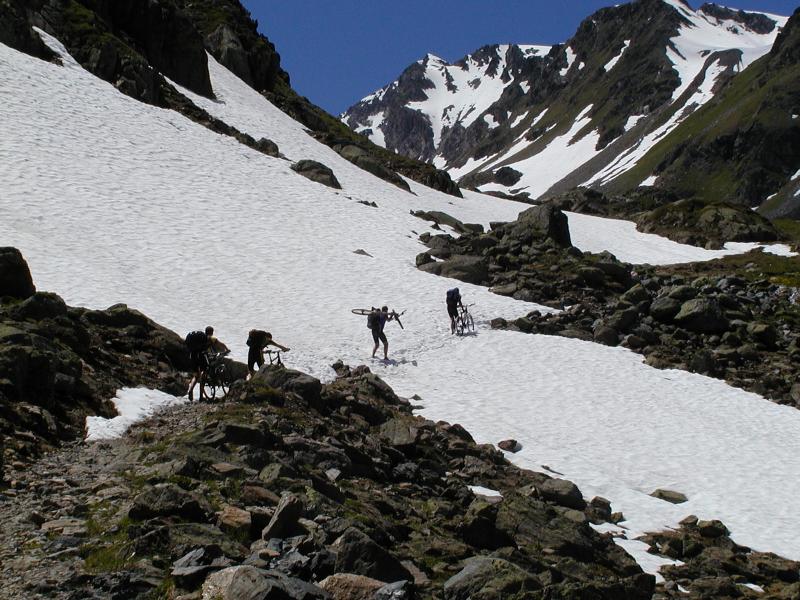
column 59, row 364
column 736, row 319
column 137, row 44
column 744, row 145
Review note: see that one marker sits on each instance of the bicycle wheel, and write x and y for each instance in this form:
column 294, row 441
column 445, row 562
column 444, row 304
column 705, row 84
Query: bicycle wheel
column 469, row 324
column 223, row 380
column 210, row 386
column 459, row 325
column 361, row 311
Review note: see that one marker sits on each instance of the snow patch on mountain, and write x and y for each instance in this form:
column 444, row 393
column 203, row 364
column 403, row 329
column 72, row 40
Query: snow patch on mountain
column 610, row 64
column 702, row 35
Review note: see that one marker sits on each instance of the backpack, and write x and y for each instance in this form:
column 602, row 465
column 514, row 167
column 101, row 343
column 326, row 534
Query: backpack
column 373, row 320
column 196, row 341
column 453, row 296
column 256, row 338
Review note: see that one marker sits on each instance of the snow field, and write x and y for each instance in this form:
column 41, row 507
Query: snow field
column 112, row 200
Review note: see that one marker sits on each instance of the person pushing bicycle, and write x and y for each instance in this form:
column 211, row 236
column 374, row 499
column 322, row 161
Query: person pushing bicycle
column 453, row 303
column 257, row 340
column 200, row 345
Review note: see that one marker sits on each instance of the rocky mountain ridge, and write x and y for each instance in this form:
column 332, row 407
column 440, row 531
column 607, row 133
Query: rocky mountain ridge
column 533, row 122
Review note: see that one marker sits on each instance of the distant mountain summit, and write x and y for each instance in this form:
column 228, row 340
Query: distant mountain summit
column 533, row 121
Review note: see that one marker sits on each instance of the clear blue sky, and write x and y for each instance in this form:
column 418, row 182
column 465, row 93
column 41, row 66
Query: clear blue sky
column 338, row 51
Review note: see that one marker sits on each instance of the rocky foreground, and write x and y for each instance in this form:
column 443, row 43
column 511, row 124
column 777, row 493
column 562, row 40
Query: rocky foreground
column 294, row 489
column 291, row 489
column 736, row 319
column 59, row 364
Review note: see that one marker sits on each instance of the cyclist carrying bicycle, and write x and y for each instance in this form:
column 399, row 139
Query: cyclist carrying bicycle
column 257, row 340
column 200, row 345
column 453, row 302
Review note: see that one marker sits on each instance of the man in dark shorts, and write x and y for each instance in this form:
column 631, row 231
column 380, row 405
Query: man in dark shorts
column 377, row 321
column 453, row 302
column 200, row 344
column 197, row 343
column 257, row 340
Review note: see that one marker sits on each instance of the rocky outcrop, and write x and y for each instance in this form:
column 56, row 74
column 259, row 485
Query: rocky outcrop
column 712, row 566
column 15, row 277
column 316, row 171
column 59, row 364
column 16, row 31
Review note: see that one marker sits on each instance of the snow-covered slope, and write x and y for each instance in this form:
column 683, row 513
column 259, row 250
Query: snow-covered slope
column 629, row 76
column 112, row 200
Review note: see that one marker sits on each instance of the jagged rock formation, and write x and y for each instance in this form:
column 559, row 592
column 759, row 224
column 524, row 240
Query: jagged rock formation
column 532, row 122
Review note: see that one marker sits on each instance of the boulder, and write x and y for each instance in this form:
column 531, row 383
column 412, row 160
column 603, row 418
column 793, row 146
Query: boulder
column 305, row 386
column 15, row 276
column 245, row 582
column 510, row 445
column 763, row 334
column 484, row 578
column 670, row 496
column 544, row 221
column 316, row 171
column 235, row 520
column 349, row 586
column 41, row 305
column 284, row 522
column 358, row 553
column 702, row 315
column 606, row 335
column 169, row 500
column 636, row 294
column 268, row 147
column 370, row 165
column 665, row 308
column 561, row 492
column 712, row 529
column 471, row 269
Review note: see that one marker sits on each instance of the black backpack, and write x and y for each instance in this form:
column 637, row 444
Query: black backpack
column 373, row 320
column 196, row 341
column 256, row 338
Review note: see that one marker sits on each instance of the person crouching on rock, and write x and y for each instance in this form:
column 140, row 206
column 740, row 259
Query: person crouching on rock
column 257, row 340
column 377, row 320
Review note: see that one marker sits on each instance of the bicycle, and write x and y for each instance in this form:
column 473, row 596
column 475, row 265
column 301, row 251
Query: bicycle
column 464, row 321
column 274, row 357
column 217, row 377
column 365, row 311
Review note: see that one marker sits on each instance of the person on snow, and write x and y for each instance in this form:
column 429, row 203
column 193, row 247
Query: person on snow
column 376, row 321
column 453, row 302
column 257, row 341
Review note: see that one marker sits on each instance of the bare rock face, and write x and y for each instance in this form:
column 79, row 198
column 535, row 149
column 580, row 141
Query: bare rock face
column 15, row 276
